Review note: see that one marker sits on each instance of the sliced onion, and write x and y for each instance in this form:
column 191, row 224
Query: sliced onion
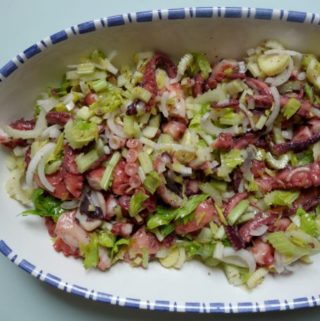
column 297, row 170
column 28, row 134
column 248, row 113
column 68, row 101
column 47, row 104
column 99, row 201
column 40, row 154
column 283, row 52
column 42, row 176
column 301, row 76
column 315, row 111
column 69, row 205
column 281, row 78
column 242, row 67
column 52, row 131
column 211, row 129
column 114, row 128
column 276, row 108
column 163, row 104
column 259, row 230
column 242, row 258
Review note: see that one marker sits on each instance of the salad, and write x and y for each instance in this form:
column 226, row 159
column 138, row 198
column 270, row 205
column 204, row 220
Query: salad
column 214, row 161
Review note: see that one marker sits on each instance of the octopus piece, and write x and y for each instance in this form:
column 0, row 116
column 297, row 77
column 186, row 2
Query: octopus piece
column 296, row 145
column 142, row 240
column 174, row 128
column 219, row 72
column 149, row 78
column 20, row 124
column 234, row 237
column 258, row 85
column 94, row 178
column 69, row 160
column 70, row 232
column 169, row 197
column 302, row 177
column 120, row 182
column 122, row 229
column 104, row 259
column 204, row 214
column 233, row 201
column 59, row 118
column 199, row 82
column 307, row 200
column 263, row 253
column 247, row 228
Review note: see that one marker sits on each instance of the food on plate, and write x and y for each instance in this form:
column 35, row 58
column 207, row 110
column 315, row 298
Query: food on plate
column 215, row 161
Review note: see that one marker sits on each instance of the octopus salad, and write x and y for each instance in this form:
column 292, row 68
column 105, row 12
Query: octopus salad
column 170, row 162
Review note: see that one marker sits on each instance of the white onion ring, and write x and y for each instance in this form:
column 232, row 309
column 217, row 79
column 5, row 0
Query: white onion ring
column 315, row 111
column 114, row 128
column 40, row 154
column 42, row 175
column 47, row 104
column 259, row 230
column 276, row 108
column 99, row 201
column 281, row 78
column 211, row 129
column 242, row 258
column 69, row 205
column 52, row 131
column 29, row 134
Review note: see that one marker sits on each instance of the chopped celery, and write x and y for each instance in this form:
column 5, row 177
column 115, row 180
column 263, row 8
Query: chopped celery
column 235, row 87
column 229, row 161
column 201, row 64
column 99, row 85
column 280, row 198
column 80, row 133
column 313, row 72
column 181, row 169
column 171, row 259
column 130, row 126
column 235, row 275
column 151, row 130
column 290, row 86
column 274, row 64
column 84, row 113
column 90, row 252
column 189, row 206
column 230, row 118
column 281, row 242
column 85, row 161
column 306, row 59
column 308, row 222
column 256, row 278
column 53, row 166
column 162, row 216
column 106, row 238
column 85, row 68
column 141, row 93
column 280, row 163
column 291, row 107
column 309, row 92
column 107, row 102
column 145, row 162
column 152, row 182
column 136, row 203
column 211, row 96
column 106, row 178
column 237, row 212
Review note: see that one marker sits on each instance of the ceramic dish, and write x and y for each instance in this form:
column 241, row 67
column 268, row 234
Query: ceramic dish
column 218, row 32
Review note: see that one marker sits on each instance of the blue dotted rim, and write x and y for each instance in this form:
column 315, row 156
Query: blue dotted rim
column 141, row 17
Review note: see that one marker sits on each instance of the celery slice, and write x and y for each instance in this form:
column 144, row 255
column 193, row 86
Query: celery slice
column 106, row 178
